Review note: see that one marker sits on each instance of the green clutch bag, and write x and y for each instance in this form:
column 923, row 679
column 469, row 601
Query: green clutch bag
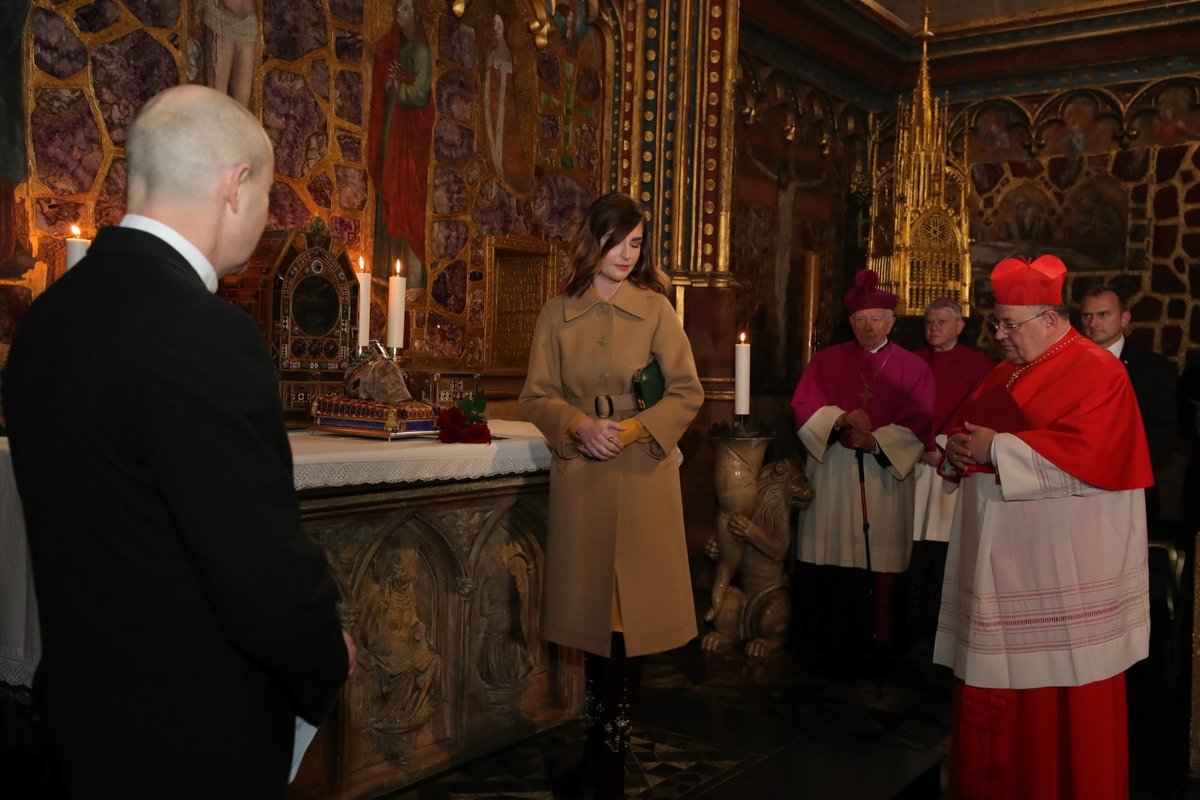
column 649, row 385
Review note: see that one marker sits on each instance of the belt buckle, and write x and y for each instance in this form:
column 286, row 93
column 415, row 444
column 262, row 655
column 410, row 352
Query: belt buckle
column 604, row 413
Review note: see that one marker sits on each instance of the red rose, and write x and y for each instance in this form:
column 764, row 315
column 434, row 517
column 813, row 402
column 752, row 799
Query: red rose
column 477, row 433
column 451, row 423
column 452, row 417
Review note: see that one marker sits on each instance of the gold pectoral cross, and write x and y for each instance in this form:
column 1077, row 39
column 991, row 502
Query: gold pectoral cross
column 865, row 397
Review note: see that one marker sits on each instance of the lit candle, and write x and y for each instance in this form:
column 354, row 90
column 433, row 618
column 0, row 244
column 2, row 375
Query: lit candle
column 741, row 377
column 395, row 325
column 364, row 305
column 77, row 246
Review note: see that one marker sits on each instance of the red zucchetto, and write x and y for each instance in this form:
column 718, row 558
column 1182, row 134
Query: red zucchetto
column 865, row 294
column 1019, row 281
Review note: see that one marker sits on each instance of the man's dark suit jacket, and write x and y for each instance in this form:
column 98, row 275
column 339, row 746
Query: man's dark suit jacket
column 185, row 618
column 1153, row 380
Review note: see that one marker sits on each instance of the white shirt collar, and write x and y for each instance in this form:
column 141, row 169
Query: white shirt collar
column 882, row 345
column 174, row 238
column 1117, row 347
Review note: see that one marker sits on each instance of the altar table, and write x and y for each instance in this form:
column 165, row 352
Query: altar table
column 438, row 552
column 321, row 461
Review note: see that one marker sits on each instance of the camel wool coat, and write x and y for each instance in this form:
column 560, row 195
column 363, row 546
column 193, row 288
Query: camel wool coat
column 615, row 525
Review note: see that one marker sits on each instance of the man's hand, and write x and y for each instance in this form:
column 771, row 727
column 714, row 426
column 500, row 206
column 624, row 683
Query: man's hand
column 932, row 457
column 855, row 420
column 980, row 443
column 862, row 441
column 973, row 448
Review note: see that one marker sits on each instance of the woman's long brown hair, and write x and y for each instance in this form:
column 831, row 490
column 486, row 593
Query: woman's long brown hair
column 615, row 214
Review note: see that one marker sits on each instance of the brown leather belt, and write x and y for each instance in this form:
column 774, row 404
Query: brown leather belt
column 605, row 405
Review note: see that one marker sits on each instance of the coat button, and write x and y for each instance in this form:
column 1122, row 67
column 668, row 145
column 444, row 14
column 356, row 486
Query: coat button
column 602, row 341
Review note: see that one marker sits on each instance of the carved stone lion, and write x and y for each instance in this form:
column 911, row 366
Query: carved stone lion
column 749, row 597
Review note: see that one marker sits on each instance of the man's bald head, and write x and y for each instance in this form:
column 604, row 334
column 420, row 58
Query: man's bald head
column 200, row 163
column 183, row 140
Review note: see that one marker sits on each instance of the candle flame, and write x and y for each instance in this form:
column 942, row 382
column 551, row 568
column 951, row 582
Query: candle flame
column 742, row 337
column 75, row 231
column 361, row 266
column 397, row 266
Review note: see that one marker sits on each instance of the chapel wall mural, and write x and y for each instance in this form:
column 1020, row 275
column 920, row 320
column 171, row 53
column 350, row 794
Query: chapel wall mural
column 416, row 129
column 800, row 153
column 1108, row 179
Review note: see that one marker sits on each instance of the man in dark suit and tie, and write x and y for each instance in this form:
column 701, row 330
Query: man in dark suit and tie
column 187, row 622
column 1103, row 315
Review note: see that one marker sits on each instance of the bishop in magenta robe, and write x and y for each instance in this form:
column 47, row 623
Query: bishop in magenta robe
column 895, row 389
column 868, row 396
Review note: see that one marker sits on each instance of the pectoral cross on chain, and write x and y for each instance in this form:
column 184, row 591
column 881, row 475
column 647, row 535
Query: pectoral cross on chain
column 865, row 398
column 866, row 395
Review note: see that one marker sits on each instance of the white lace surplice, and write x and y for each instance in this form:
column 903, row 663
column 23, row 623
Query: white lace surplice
column 1046, row 581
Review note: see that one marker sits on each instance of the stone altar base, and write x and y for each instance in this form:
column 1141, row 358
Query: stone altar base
column 442, row 591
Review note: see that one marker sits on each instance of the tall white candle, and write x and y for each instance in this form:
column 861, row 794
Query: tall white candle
column 364, row 305
column 395, row 325
column 77, row 247
column 741, row 377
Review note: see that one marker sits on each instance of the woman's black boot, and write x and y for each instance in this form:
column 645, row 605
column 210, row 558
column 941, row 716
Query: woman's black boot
column 621, row 679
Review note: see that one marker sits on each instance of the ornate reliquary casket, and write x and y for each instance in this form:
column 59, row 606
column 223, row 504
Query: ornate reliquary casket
column 301, row 290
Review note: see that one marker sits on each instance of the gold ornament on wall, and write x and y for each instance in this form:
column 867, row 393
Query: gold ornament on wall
column 919, row 236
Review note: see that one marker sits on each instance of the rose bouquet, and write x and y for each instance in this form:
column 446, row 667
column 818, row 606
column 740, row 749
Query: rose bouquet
column 464, row 421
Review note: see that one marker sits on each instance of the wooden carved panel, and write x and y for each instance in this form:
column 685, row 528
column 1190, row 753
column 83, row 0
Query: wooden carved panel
column 521, row 279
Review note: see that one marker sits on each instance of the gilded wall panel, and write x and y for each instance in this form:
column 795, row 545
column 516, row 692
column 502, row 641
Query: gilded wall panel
column 1108, row 179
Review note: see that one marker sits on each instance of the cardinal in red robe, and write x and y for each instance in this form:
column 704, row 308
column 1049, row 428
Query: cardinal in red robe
column 1045, row 601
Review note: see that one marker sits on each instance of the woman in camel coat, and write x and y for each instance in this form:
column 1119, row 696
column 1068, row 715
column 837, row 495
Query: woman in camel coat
column 617, row 579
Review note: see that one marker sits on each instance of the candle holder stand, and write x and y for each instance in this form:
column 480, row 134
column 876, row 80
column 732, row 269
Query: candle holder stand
column 750, row 604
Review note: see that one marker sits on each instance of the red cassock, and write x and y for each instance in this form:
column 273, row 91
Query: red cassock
column 956, row 374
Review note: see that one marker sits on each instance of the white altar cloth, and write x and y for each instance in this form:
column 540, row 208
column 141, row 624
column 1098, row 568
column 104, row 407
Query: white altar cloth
column 329, row 460
column 320, row 460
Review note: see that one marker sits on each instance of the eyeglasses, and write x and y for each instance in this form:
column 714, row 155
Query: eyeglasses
column 996, row 325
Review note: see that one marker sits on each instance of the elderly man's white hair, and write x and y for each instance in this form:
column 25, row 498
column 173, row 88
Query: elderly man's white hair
column 947, row 304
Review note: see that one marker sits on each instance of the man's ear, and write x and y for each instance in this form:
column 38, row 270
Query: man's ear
column 235, row 179
column 1125, row 317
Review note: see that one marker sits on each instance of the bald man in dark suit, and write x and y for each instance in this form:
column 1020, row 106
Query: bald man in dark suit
column 186, row 620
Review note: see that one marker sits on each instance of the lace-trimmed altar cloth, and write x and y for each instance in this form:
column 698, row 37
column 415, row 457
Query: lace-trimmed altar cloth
column 324, row 460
